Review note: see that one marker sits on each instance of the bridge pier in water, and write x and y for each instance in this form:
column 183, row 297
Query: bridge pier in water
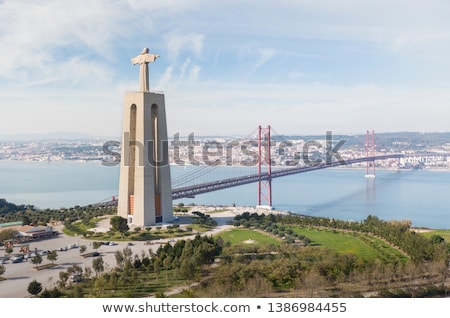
column 264, row 184
column 370, row 149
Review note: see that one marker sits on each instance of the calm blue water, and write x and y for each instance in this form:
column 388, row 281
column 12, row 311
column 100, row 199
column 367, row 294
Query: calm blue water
column 420, row 196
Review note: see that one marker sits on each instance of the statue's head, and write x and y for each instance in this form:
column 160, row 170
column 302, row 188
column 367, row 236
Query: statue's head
column 145, row 50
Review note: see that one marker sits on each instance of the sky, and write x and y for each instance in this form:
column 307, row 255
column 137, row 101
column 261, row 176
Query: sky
column 226, row 67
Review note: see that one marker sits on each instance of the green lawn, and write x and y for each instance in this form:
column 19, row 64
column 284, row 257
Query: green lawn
column 443, row 233
column 366, row 247
column 239, row 236
column 363, row 246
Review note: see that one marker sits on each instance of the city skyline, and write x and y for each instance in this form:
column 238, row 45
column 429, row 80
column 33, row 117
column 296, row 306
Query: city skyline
column 225, row 68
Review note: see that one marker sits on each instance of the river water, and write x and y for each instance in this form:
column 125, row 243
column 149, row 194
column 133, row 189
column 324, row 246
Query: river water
column 420, row 196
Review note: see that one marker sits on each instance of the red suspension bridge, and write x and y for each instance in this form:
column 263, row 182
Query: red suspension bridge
column 265, row 174
column 190, row 191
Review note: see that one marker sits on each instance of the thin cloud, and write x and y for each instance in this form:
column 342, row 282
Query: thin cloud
column 178, row 42
column 265, row 55
column 40, row 35
column 303, row 65
column 176, row 75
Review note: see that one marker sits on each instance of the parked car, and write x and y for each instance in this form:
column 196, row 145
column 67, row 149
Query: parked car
column 17, row 260
column 75, row 278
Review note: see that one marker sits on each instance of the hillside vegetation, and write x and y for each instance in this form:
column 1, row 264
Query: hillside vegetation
column 276, row 256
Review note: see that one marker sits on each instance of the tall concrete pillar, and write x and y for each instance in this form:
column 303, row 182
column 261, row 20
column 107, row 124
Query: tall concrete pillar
column 145, row 192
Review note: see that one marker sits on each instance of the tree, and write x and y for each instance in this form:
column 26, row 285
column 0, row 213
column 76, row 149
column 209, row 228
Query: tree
column 52, row 256
column 156, row 269
column 96, row 245
column 187, row 268
column 313, row 281
column 120, row 259
column 34, row 288
column 98, row 265
column 7, row 234
column 2, row 270
column 52, row 293
column 87, row 272
column 82, row 249
column 36, row 260
column 25, row 219
column 119, row 224
column 437, row 239
column 75, row 269
column 127, row 253
column 137, row 262
column 63, row 278
column 167, row 265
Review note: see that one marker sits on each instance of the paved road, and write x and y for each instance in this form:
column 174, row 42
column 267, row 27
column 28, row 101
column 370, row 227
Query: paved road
column 19, row 275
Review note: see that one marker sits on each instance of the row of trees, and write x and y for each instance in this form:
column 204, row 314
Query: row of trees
column 8, row 207
column 183, row 260
column 310, row 272
column 269, row 225
column 10, row 212
column 398, row 233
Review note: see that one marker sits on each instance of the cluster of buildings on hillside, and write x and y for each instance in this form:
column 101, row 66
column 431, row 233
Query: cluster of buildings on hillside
column 298, row 152
column 229, row 151
column 52, row 151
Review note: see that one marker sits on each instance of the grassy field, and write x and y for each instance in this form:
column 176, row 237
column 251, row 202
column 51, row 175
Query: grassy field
column 239, row 236
column 366, row 247
column 363, row 246
column 338, row 242
column 443, row 233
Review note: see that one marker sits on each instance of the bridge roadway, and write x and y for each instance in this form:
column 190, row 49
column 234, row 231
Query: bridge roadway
column 191, row 191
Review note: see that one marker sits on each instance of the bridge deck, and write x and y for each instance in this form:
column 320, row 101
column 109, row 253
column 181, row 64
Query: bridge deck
column 193, row 190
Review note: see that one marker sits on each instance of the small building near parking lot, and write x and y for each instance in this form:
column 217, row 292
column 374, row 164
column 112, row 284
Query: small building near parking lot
column 33, row 233
column 27, row 233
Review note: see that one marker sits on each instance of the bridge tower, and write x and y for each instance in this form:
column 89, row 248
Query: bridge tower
column 145, row 192
column 264, row 185
column 370, row 152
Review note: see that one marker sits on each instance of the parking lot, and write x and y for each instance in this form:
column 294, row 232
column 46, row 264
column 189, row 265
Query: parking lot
column 19, row 275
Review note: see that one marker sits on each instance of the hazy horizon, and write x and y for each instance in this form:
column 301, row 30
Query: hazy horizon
column 78, row 136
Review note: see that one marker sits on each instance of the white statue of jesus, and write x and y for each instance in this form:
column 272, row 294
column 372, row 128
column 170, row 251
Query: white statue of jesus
column 143, row 59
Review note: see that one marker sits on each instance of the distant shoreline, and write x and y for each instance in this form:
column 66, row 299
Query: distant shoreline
column 99, row 162
column 236, row 210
